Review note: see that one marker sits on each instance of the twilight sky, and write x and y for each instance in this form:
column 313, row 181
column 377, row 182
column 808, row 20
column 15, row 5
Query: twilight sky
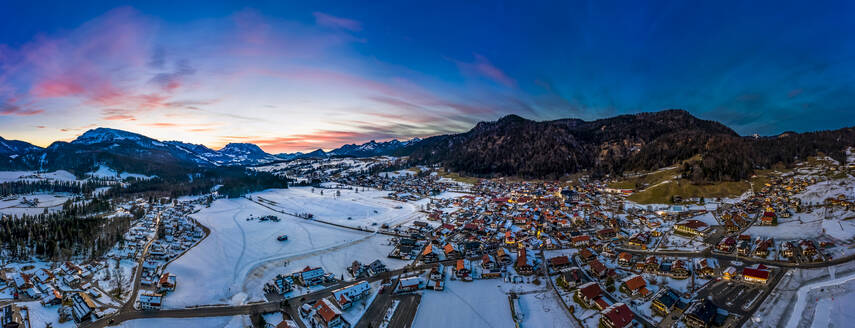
column 311, row 74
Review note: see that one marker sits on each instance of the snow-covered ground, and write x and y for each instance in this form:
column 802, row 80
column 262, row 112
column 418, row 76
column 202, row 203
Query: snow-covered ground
column 49, row 201
column 465, row 304
column 232, row 264
column 364, row 208
column 799, row 296
column 214, row 322
column 543, row 310
column 60, row 175
column 818, row 193
column 41, row 316
column 809, row 225
column 830, row 311
column 106, row 172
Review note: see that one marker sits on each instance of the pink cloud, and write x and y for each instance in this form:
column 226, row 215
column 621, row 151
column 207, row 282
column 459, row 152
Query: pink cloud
column 483, row 67
column 327, row 20
column 15, row 110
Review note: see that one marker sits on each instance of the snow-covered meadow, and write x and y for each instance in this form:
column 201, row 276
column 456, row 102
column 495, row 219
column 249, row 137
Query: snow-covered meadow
column 232, row 264
column 351, row 208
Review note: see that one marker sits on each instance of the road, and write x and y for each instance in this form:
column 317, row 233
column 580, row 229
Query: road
column 745, row 259
column 129, row 305
column 294, row 303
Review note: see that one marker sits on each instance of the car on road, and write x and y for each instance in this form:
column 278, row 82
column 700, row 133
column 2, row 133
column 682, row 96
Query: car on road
column 282, row 238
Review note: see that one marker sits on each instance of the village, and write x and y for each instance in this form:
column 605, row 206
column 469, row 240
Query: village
column 580, row 250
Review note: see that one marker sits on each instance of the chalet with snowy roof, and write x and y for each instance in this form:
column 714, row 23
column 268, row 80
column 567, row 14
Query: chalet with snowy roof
column 151, row 301
column 167, row 282
column 345, row 296
column 43, row 275
column 635, row 286
column 409, row 284
column 617, row 315
column 81, row 307
column 22, row 280
column 328, row 316
column 310, row 276
column 377, row 267
column 69, row 268
column 51, row 296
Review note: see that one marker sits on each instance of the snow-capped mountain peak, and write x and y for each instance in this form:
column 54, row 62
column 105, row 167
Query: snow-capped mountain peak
column 104, row 135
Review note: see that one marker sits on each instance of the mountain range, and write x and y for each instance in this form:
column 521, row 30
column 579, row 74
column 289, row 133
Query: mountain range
column 368, row 149
column 512, row 145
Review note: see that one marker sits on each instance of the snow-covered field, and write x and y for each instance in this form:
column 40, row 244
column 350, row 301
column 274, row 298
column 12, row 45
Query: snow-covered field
column 363, row 208
column 232, row 264
column 830, row 305
column 817, row 193
column 49, row 201
column 543, row 310
column 465, row 304
column 108, row 173
column 809, row 225
column 214, row 322
column 60, row 175
column 799, row 296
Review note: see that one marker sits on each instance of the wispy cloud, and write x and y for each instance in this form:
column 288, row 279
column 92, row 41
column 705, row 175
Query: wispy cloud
column 15, row 110
column 337, row 22
column 481, row 66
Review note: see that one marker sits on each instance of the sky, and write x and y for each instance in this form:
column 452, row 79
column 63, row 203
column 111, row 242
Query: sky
column 297, row 76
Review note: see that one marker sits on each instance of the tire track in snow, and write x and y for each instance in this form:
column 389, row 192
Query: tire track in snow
column 243, row 245
column 470, row 307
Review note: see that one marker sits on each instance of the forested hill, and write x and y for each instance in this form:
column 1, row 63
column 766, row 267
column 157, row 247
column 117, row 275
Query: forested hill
column 646, row 141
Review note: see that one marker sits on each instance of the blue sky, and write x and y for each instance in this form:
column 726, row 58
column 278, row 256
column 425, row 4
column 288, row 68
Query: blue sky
column 303, row 75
